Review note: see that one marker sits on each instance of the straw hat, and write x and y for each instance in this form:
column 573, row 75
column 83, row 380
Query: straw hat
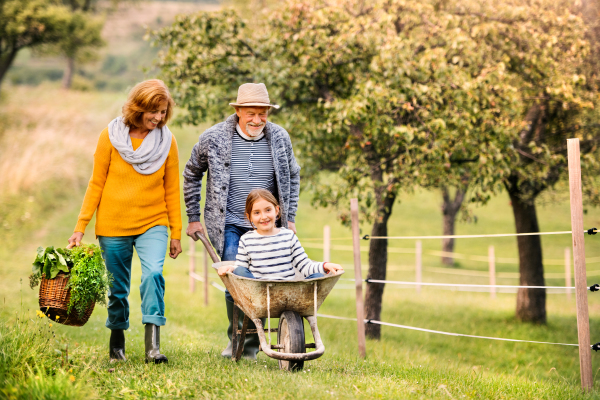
column 253, row 95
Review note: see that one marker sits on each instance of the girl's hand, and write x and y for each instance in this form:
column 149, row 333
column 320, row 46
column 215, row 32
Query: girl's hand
column 332, row 268
column 175, row 249
column 75, row 240
column 224, row 269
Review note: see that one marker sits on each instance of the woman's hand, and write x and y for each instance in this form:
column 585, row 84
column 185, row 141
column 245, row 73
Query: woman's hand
column 332, row 268
column 224, row 269
column 75, row 239
column 175, row 248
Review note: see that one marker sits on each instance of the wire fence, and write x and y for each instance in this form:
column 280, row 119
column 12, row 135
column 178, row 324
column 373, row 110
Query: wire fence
column 414, row 328
column 436, row 253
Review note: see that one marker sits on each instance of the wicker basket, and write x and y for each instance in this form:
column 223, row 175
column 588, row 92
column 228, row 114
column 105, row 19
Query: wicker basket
column 54, row 301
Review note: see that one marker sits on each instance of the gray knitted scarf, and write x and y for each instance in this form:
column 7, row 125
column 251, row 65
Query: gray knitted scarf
column 150, row 156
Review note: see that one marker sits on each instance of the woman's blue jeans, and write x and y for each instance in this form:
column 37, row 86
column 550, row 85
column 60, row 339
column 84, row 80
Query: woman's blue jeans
column 117, row 251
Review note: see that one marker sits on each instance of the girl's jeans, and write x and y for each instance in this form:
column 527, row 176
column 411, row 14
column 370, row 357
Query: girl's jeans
column 233, row 233
column 117, row 251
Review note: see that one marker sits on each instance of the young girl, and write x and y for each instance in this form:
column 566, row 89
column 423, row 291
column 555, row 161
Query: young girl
column 269, row 252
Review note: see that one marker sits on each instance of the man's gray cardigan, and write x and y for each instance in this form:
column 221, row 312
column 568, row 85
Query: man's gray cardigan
column 212, row 153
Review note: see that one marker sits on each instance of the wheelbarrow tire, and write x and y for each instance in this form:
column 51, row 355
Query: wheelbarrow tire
column 291, row 335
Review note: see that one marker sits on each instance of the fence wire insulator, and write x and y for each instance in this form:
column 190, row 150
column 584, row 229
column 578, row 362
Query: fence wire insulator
column 595, row 287
column 592, row 231
column 596, row 346
column 366, row 237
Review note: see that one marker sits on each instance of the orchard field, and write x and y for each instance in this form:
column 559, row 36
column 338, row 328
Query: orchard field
column 47, row 141
column 404, row 364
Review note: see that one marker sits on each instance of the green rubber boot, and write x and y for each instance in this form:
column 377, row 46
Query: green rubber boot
column 251, row 344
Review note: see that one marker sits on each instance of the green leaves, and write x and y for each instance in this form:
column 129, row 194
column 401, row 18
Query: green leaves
column 90, row 280
column 81, row 36
column 398, row 93
column 49, row 262
column 47, row 24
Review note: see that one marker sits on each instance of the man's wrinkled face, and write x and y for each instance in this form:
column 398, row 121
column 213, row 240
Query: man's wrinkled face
column 252, row 119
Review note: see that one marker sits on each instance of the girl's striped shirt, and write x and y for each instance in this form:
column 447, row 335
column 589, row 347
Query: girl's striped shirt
column 275, row 257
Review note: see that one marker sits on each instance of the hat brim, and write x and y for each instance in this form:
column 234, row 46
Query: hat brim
column 254, row 105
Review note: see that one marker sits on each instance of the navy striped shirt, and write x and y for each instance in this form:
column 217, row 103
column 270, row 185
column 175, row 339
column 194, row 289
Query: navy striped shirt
column 275, row 257
column 251, row 168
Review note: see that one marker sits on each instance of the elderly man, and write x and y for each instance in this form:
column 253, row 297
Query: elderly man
column 243, row 153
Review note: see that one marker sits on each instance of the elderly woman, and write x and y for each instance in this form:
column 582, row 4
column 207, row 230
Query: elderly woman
column 134, row 190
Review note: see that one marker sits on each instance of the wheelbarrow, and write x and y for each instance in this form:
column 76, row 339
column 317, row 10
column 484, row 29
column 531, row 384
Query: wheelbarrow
column 290, row 301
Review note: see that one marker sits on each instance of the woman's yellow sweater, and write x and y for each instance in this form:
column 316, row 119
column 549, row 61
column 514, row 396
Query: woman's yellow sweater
column 127, row 202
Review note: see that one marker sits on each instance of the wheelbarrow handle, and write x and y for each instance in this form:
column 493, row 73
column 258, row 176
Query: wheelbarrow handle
column 199, row 236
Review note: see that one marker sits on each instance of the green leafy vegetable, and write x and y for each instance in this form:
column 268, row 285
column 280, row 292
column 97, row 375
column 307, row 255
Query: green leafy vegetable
column 48, row 263
column 90, row 280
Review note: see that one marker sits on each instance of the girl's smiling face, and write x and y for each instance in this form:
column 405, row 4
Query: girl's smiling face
column 263, row 216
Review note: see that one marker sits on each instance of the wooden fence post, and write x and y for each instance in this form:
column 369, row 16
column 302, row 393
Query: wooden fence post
column 583, row 322
column 205, row 277
column 326, row 243
column 360, row 318
column 192, row 256
column 492, row 262
column 418, row 265
column 568, row 271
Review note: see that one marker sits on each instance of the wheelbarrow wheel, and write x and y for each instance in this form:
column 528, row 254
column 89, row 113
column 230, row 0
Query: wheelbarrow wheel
column 291, row 335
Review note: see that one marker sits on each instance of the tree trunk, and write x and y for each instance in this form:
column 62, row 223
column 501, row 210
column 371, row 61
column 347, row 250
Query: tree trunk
column 6, row 61
column 68, row 74
column 531, row 303
column 378, row 255
column 450, row 208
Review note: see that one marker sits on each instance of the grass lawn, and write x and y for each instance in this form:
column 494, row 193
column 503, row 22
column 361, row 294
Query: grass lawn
column 403, row 364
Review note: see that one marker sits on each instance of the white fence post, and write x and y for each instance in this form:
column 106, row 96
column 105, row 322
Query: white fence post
column 205, row 277
column 192, row 256
column 326, row 243
column 492, row 263
column 360, row 319
column 418, row 265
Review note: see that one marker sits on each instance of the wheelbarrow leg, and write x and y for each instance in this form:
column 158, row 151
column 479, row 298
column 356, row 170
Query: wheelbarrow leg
column 234, row 336
column 241, row 340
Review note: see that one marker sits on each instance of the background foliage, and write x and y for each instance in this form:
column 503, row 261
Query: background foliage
column 390, row 95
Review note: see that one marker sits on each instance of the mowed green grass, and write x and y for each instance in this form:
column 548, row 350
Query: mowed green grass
column 403, row 364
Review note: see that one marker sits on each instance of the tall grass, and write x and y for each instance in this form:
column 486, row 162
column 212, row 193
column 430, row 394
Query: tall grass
column 47, row 141
column 33, row 364
column 50, row 135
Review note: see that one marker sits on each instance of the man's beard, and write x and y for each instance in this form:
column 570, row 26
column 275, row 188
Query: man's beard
column 254, row 130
